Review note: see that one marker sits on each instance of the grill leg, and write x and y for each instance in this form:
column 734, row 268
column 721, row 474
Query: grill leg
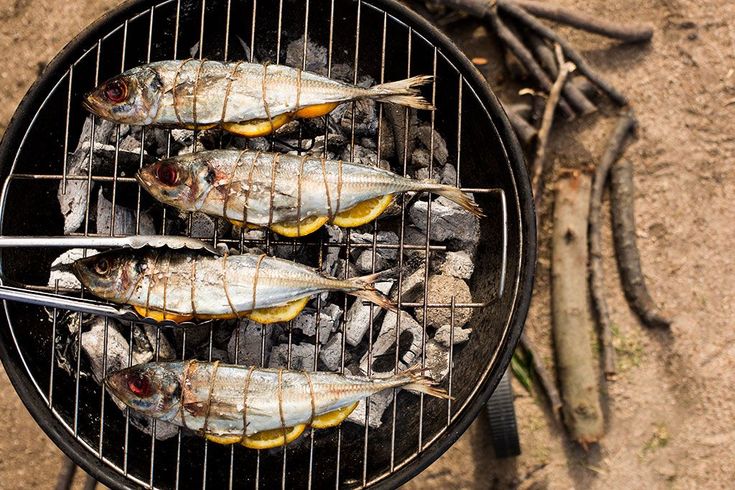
column 501, row 415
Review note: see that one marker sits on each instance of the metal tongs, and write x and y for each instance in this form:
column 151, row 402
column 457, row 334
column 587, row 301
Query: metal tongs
column 95, row 307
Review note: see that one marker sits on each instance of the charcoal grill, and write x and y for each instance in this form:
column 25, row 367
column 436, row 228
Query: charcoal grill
column 375, row 37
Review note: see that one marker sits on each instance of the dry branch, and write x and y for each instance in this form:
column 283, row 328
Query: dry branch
column 629, row 259
column 544, row 378
column 526, row 19
column 572, row 326
column 615, row 147
column 628, row 33
column 538, row 168
column 525, row 132
column 543, row 53
column 515, row 46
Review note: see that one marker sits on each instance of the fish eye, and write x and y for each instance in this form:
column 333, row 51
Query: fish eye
column 102, row 267
column 116, row 91
column 166, row 174
column 139, row 385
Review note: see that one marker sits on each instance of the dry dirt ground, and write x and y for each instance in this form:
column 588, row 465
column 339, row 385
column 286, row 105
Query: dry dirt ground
column 670, row 411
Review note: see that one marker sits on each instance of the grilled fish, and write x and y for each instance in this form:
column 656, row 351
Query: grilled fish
column 248, row 99
column 258, row 408
column 293, row 195
column 182, row 285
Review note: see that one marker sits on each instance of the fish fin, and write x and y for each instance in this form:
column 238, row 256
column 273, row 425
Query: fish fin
column 455, row 195
column 415, row 380
column 333, row 418
column 368, row 292
column 404, row 92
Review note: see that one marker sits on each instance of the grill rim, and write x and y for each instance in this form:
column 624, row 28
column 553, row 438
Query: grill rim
column 56, row 431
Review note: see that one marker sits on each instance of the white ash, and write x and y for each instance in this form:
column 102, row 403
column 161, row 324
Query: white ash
column 164, row 430
column 445, row 337
column 302, row 357
column 421, row 158
column 329, row 318
column 381, row 238
column 63, row 274
column 364, row 156
column 151, row 345
column 386, row 341
column 364, row 261
column 458, row 264
column 204, row 227
column 331, row 353
column 124, row 219
column 357, row 319
column 258, row 144
column 118, row 349
column 412, row 285
column 379, row 402
column 424, row 135
column 441, row 289
column 365, row 121
column 331, row 257
column 449, row 222
column 437, row 360
column 316, row 56
column 446, row 175
column 246, row 342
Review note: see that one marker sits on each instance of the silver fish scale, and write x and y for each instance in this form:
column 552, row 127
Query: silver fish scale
column 200, row 92
column 217, row 399
column 208, row 285
column 266, row 188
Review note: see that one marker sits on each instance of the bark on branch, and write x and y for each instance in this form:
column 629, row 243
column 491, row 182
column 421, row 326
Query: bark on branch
column 572, row 326
column 633, row 33
column 629, row 259
column 615, row 148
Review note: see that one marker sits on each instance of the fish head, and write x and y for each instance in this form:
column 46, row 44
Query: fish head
column 153, row 389
column 182, row 182
column 111, row 274
column 131, row 98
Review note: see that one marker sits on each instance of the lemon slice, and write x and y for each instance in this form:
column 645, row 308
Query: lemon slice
column 315, row 110
column 293, row 229
column 257, row 127
column 273, row 438
column 276, row 314
column 223, row 439
column 333, row 418
column 160, row 316
column 362, row 213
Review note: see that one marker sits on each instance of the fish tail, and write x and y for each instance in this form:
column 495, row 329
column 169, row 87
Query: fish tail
column 364, row 289
column 414, row 379
column 404, row 92
column 453, row 194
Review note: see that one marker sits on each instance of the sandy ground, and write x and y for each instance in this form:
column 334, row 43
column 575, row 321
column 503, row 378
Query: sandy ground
column 670, row 411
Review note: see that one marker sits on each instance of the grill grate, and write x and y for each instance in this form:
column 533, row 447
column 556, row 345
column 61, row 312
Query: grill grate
column 374, row 38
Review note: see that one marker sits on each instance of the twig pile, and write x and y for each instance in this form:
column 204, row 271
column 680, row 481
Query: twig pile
column 549, row 61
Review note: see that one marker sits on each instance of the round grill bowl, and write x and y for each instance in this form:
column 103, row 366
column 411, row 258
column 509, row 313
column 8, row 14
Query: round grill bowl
column 377, row 37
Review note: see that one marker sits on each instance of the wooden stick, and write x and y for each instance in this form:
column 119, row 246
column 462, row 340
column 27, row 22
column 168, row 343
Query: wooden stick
column 543, row 53
column 538, row 168
column 616, row 145
column 511, row 8
column 515, row 45
column 633, row 33
column 525, row 132
column 572, row 326
column 547, row 382
column 629, row 259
